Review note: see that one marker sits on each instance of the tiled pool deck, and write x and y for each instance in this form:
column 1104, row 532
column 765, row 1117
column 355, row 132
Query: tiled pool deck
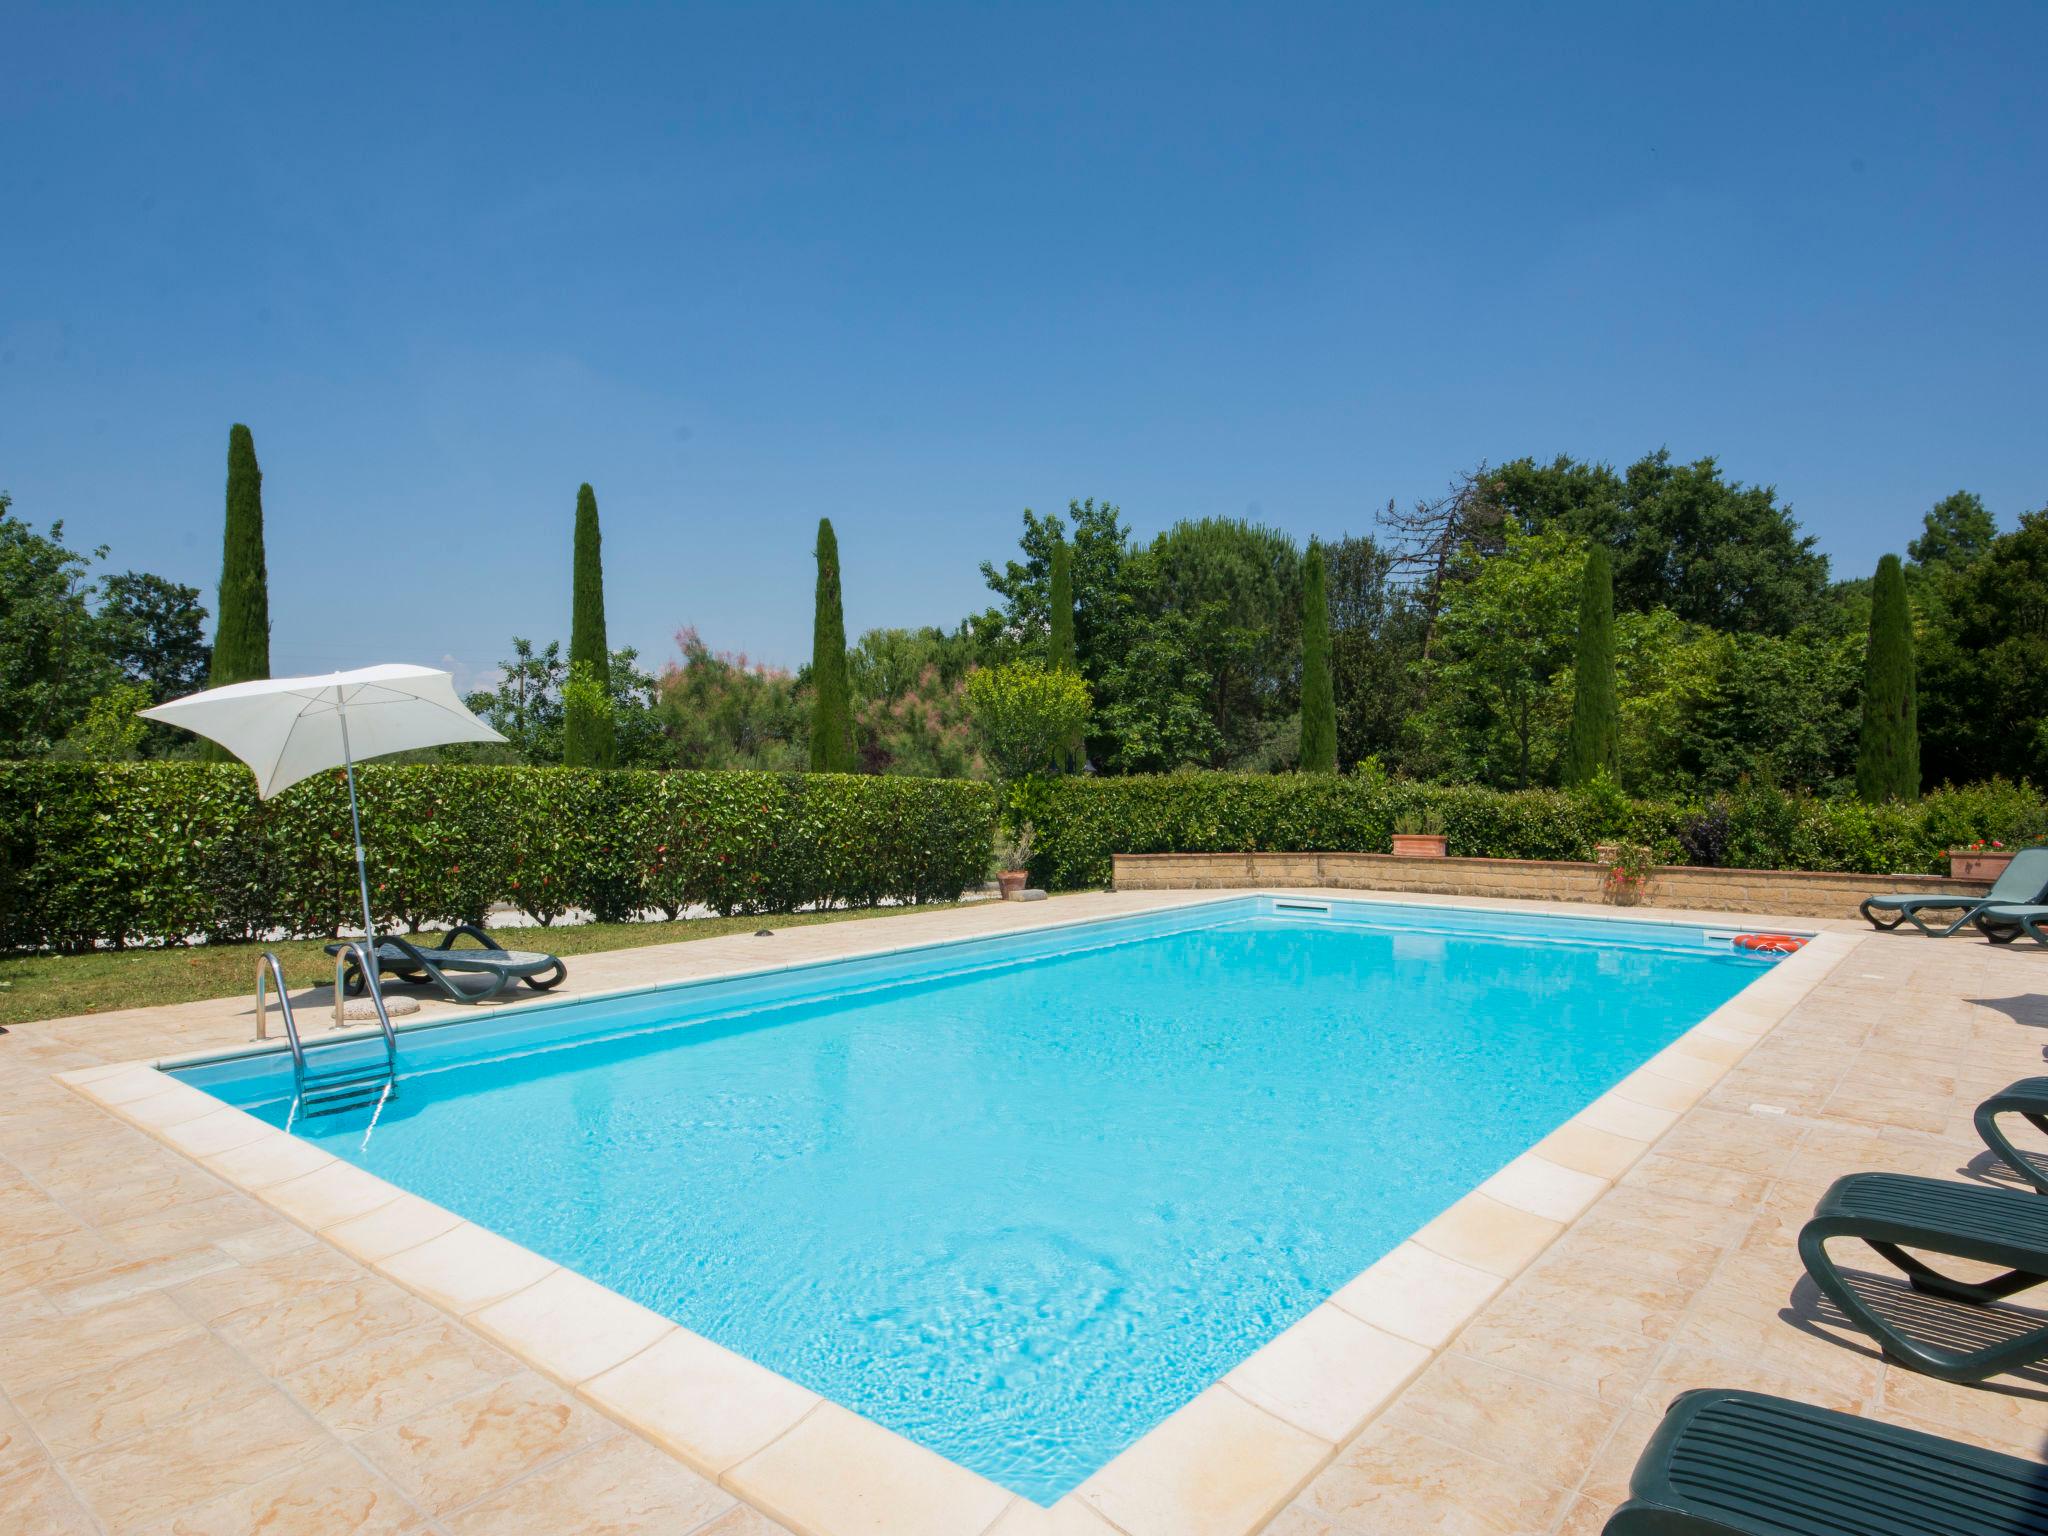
column 178, row 1354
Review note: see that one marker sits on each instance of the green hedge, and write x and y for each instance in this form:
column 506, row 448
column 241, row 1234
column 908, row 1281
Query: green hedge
column 95, row 854
column 1089, row 819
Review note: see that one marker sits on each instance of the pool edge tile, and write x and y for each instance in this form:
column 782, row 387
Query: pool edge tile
column 569, row 1327
column 704, row 1404
column 1329, row 1373
column 834, row 1473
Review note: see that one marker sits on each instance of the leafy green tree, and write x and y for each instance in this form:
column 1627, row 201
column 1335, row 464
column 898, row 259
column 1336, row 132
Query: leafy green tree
column 1318, row 700
column 52, row 662
column 110, row 731
column 717, row 709
column 1504, row 633
column 1238, row 586
column 1957, row 530
column 1376, row 637
column 1985, row 700
column 910, row 702
column 1024, row 714
column 831, row 706
column 1594, row 745
column 1888, row 747
column 589, row 735
column 526, row 706
column 1778, row 710
column 1059, row 642
column 1098, row 547
column 155, row 631
column 241, row 640
column 1154, row 715
column 1713, row 551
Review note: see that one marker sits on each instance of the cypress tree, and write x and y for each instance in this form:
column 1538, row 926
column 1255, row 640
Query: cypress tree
column 241, row 641
column 1888, row 750
column 1595, row 740
column 1059, row 650
column 1318, row 698
column 831, row 710
column 587, row 737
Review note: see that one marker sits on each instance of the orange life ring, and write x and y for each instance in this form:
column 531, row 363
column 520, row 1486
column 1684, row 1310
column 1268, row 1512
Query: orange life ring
column 1768, row 943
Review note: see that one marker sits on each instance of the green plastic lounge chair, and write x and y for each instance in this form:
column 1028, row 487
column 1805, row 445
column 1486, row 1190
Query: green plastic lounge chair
column 2027, row 1098
column 494, row 968
column 1743, row 1464
column 2003, row 923
column 2023, row 881
column 1895, row 1211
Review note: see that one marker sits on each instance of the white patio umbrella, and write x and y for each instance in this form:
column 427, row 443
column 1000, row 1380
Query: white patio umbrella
column 289, row 728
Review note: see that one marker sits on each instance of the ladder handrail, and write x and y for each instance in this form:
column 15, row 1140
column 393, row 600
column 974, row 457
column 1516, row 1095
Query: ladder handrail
column 366, row 965
column 269, row 970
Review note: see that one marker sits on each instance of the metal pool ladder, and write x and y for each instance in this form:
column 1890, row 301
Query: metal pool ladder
column 336, row 1088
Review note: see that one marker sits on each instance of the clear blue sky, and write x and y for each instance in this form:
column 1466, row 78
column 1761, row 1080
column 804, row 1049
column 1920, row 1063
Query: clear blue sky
column 918, row 268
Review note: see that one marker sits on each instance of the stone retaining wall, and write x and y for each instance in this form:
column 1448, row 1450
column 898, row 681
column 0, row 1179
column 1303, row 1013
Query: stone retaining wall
column 1786, row 892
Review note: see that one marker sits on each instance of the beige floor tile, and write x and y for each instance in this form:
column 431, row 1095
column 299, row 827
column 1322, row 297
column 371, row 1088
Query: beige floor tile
column 838, row 1474
column 45, row 1351
column 305, row 1330
column 1217, row 1467
column 232, row 1443
column 467, row 1449
column 250, row 1290
column 617, row 1487
column 111, row 1402
column 1504, row 1416
column 396, row 1377
column 1397, row 1480
column 703, row 1403
column 1559, row 1343
column 35, row 1500
column 330, row 1494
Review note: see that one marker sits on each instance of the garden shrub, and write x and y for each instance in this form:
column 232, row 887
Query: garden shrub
column 1086, row 820
column 126, row 853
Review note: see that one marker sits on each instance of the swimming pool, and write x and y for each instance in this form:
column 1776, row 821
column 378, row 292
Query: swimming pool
column 1020, row 1198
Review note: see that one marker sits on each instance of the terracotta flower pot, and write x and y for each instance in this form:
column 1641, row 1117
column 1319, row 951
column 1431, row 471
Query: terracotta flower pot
column 1012, row 881
column 1418, row 845
column 1978, row 864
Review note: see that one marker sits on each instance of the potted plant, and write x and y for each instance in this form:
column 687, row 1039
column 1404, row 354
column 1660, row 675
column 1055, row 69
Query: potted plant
column 1984, row 859
column 1419, row 835
column 1027, row 718
column 1628, row 873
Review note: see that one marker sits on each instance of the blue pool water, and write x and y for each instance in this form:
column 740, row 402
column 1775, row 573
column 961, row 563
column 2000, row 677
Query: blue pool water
column 1020, row 1199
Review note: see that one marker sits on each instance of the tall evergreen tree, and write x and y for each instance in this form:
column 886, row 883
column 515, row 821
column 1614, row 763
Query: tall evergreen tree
column 1888, row 750
column 1595, row 740
column 587, row 736
column 1318, row 697
column 241, row 641
column 831, row 707
column 1059, row 651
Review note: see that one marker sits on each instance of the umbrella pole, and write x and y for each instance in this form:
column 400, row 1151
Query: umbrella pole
column 355, row 822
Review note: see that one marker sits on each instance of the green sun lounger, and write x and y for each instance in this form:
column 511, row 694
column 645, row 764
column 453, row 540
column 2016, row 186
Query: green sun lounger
column 1744, row 1464
column 2027, row 1098
column 2023, row 881
column 2006, row 921
column 1895, row 1211
column 494, row 968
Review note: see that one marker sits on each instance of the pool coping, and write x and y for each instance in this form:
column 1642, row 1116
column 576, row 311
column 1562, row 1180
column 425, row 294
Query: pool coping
column 1221, row 1465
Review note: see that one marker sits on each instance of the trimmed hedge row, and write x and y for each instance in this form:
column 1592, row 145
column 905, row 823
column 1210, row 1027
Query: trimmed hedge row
column 113, row 854
column 1088, row 819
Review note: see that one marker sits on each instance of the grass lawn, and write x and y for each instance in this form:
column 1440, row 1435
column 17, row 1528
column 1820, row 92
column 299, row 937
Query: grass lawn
column 57, row 986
